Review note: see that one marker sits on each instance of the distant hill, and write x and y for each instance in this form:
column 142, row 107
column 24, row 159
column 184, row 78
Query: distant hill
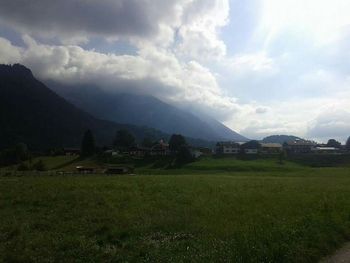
column 32, row 113
column 280, row 139
column 144, row 110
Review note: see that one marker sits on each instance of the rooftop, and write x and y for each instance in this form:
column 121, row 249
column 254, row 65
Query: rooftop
column 271, row 145
column 228, row 143
column 301, row 143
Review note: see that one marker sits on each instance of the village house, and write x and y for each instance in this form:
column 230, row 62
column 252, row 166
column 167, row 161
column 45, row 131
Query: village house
column 325, row 150
column 206, row 151
column 251, row 151
column 139, row 151
column 251, row 147
column 160, row 149
column 227, row 148
column 299, row 146
column 196, row 153
column 111, row 152
column 85, row 170
column 119, row 170
column 71, row 151
column 270, row 148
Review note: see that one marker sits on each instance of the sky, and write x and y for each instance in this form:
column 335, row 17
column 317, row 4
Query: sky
column 261, row 67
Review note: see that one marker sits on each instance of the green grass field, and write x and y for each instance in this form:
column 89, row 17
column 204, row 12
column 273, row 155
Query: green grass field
column 214, row 210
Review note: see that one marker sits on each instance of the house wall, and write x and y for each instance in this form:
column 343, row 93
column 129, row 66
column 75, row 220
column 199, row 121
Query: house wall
column 272, row 150
column 230, row 150
column 251, row 151
column 299, row 148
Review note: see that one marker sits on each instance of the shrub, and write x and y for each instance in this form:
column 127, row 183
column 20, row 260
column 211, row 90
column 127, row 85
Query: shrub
column 39, row 166
column 23, row 167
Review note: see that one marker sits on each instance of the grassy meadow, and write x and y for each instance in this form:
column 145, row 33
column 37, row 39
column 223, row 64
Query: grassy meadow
column 213, row 210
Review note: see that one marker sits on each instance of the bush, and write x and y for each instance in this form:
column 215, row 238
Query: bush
column 23, row 167
column 282, row 157
column 39, row 166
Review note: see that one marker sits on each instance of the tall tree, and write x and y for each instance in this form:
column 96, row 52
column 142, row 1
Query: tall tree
column 123, row 140
column 21, row 152
column 347, row 145
column 184, row 155
column 88, row 147
column 176, row 142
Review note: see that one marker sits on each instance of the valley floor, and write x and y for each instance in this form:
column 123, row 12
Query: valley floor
column 287, row 214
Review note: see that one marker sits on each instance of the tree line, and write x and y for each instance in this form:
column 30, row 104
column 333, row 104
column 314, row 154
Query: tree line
column 20, row 154
column 124, row 140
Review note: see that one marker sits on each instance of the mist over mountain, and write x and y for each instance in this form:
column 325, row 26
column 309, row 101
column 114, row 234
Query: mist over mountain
column 33, row 114
column 145, row 111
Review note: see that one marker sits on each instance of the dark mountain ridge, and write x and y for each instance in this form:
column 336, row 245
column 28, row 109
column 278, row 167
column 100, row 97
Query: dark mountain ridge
column 33, row 114
column 144, row 110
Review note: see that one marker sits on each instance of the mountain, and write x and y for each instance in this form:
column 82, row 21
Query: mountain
column 280, row 139
column 32, row 113
column 144, row 110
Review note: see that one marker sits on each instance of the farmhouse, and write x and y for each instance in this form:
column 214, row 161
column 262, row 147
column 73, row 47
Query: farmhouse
column 227, row 148
column 271, row 148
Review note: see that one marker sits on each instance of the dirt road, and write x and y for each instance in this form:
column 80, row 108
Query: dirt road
column 340, row 256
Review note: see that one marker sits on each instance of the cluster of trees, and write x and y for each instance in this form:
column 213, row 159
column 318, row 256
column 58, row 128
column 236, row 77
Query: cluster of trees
column 336, row 144
column 17, row 154
column 124, row 140
column 333, row 143
column 180, row 149
column 29, row 166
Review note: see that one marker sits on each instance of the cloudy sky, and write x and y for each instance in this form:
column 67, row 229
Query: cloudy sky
column 260, row 66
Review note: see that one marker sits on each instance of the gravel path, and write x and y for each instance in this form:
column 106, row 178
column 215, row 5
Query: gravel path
column 340, row 256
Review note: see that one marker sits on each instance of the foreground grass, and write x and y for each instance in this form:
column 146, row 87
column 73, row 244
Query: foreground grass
column 212, row 165
column 238, row 217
